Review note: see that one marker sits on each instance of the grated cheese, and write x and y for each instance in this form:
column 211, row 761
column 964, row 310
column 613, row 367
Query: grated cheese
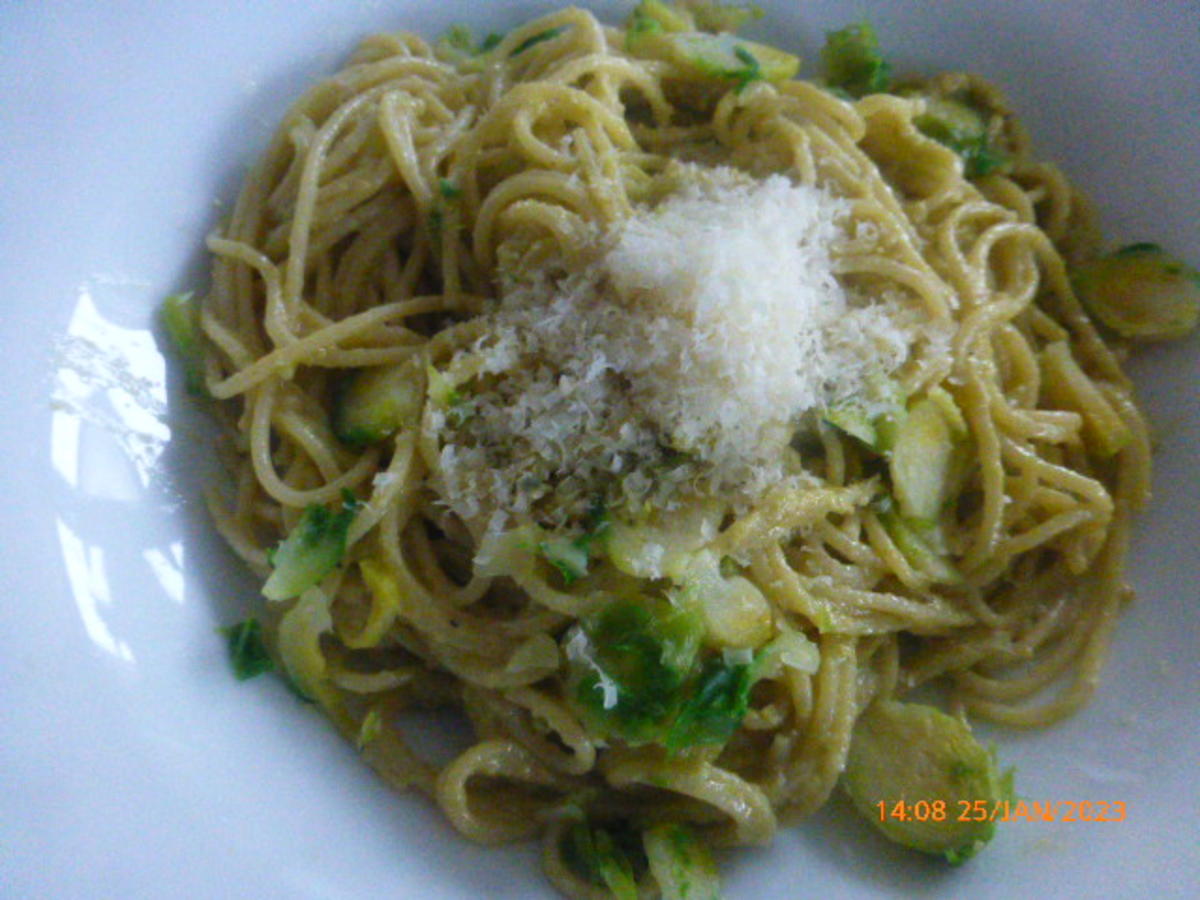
column 681, row 354
column 579, row 649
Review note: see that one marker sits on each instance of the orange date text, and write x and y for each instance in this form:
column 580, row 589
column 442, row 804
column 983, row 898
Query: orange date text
column 1002, row 810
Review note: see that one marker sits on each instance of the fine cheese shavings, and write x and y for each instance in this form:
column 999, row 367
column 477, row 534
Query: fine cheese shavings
column 579, row 649
column 682, row 353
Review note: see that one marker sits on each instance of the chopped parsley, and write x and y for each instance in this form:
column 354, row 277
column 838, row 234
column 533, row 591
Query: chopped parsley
column 752, row 71
column 854, row 62
column 716, row 706
column 604, row 858
column 959, row 125
column 247, row 652
column 312, row 550
column 533, row 41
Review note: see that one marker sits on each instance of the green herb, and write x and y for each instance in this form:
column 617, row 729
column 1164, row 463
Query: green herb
column 180, row 317
column 630, row 663
column 572, row 556
column 655, row 17
column 458, row 47
column 918, row 540
column 458, row 409
column 854, row 62
column 311, row 551
column 681, row 863
column 597, row 856
column 983, row 159
column 716, row 706
column 247, row 652
column 729, row 567
column 569, row 557
column 449, row 189
column 547, row 35
column 1139, row 248
column 641, row 25
column 371, row 727
column 958, row 125
column 458, row 37
column 752, row 71
column 978, row 154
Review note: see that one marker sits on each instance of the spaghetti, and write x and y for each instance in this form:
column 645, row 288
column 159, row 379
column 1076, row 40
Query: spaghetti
column 423, row 206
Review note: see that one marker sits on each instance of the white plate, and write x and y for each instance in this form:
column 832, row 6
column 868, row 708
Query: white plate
column 133, row 765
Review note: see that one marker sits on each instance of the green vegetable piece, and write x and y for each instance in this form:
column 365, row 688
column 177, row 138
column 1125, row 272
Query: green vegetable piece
column 734, row 611
column 789, row 649
column 854, row 62
column 373, row 404
column 663, row 545
column 569, row 556
column 313, row 549
column 920, row 552
column 729, row 17
column 728, row 567
column 911, row 752
column 944, row 401
column 441, row 389
column 887, row 429
column 718, row 56
column 752, row 71
column 715, row 707
column 597, row 855
column 638, row 28
column 445, row 395
column 298, row 640
column 656, row 17
column 854, row 421
column 457, row 47
column 629, row 664
column 875, row 428
column 681, row 863
column 180, row 317
column 921, row 460
column 247, row 652
column 961, row 127
column 534, row 40
column 1141, row 292
column 370, row 728
column 457, row 38
column 598, row 519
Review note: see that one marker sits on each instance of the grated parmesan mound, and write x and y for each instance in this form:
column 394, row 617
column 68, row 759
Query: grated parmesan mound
column 682, row 356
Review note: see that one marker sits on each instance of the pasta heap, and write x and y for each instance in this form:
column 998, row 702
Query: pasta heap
column 408, row 198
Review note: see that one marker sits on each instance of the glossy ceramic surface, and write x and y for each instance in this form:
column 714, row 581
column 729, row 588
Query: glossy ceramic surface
column 133, row 765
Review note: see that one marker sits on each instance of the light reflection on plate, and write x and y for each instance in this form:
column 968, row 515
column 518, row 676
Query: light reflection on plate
column 132, row 763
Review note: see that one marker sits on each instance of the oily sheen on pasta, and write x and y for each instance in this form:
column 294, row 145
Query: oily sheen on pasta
column 661, row 350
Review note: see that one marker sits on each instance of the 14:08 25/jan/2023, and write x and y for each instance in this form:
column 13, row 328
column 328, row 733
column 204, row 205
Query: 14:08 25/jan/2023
column 1002, row 811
